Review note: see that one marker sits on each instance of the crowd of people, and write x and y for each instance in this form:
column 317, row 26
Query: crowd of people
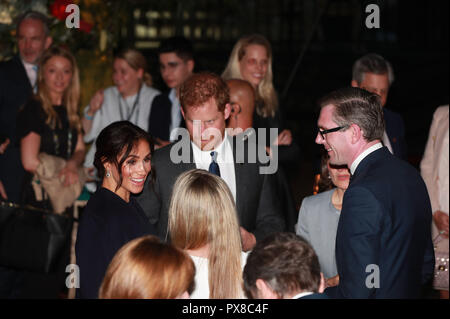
column 183, row 203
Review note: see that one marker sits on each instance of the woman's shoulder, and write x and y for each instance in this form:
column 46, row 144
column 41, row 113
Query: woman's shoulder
column 321, row 199
column 104, row 203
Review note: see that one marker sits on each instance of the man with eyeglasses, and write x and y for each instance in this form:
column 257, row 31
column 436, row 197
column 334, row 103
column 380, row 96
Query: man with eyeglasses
column 383, row 241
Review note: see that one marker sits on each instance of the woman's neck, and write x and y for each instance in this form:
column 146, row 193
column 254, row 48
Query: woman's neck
column 110, row 184
column 337, row 197
column 199, row 252
column 131, row 92
column 56, row 98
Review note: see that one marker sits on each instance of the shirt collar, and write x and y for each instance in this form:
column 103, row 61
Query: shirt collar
column 302, row 294
column 361, row 156
column 172, row 95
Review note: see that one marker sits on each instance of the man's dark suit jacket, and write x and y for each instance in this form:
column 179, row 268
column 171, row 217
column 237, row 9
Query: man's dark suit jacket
column 385, row 221
column 15, row 89
column 256, row 200
column 160, row 117
column 395, row 130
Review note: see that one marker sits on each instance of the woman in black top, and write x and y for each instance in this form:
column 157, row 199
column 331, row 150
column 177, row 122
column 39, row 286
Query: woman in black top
column 49, row 123
column 112, row 217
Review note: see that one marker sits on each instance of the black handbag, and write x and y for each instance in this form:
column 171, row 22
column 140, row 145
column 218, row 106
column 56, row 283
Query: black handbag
column 32, row 239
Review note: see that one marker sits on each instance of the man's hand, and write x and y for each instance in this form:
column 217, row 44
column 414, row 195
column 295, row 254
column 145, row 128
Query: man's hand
column 248, row 240
column 284, row 138
column 441, row 220
column 332, row 281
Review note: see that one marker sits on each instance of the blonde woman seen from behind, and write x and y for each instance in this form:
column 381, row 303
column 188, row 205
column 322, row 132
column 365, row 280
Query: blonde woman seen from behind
column 146, row 268
column 203, row 221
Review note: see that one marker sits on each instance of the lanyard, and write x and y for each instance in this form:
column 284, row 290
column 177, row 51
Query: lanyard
column 136, row 102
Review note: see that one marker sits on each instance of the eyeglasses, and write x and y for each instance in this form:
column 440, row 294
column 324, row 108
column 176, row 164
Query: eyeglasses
column 331, row 130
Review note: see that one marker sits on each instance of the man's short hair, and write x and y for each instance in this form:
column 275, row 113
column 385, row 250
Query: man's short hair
column 201, row 87
column 286, row 262
column 353, row 105
column 36, row 16
column 371, row 63
column 181, row 46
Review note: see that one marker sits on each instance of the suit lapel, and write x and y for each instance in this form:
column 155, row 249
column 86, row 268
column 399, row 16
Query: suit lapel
column 21, row 76
column 241, row 178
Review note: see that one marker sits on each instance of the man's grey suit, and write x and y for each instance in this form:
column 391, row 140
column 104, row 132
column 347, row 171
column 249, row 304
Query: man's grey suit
column 257, row 206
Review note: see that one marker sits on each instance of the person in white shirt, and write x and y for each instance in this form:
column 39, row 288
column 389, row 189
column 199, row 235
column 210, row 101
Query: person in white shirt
column 283, row 266
column 203, row 221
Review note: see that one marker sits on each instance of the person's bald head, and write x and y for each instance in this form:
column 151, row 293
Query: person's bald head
column 242, row 100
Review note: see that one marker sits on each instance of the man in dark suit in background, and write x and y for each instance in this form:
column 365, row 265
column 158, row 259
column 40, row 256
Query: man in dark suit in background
column 17, row 80
column 176, row 62
column 283, row 266
column 205, row 105
column 383, row 242
column 375, row 74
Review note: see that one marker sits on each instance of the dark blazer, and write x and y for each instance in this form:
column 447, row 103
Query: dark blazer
column 107, row 223
column 160, row 117
column 395, row 130
column 15, row 89
column 385, row 221
column 256, row 200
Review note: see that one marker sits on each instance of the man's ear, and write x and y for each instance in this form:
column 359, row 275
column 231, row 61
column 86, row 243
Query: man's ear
column 322, row 285
column 354, row 84
column 264, row 290
column 357, row 133
column 227, row 111
column 48, row 42
column 190, row 65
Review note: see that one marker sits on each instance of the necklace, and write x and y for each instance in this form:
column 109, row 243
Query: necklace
column 136, row 102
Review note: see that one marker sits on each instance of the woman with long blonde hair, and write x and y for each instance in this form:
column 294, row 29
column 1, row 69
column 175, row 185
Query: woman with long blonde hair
column 203, row 221
column 251, row 60
column 146, row 268
column 49, row 121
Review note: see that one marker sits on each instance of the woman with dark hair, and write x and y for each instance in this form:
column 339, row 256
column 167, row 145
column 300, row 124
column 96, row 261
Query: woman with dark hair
column 112, row 217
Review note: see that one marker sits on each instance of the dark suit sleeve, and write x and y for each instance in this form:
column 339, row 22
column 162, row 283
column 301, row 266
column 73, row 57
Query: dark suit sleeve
column 269, row 218
column 428, row 263
column 358, row 243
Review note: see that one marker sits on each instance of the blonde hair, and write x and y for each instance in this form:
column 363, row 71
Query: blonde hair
column 71, row 95
column 266, row 98
column 136, row 61
column 202, row 211
column 146, row 268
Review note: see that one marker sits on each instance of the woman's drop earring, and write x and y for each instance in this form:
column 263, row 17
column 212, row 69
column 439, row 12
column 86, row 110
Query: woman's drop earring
column 108, row 174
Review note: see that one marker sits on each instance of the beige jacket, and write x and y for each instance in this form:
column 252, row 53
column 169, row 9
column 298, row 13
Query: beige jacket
column 434, row 166
column 46, row 179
